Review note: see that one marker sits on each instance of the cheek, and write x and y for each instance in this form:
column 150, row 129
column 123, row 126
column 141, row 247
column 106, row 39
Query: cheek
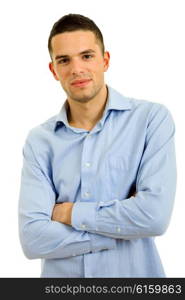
column 100, row 73
column 62, row 75
column 98, row 69
column 100, row 66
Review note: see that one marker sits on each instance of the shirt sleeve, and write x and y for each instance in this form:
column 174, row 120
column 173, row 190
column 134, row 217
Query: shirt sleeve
column 148, row 213
column 40, row 236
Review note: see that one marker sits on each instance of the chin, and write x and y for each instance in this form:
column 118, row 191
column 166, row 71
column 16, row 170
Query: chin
column 82, row 99
column 82, row 96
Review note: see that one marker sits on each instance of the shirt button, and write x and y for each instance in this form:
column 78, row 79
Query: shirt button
column 83, row 226
column 87, row 194
column 118, row 229
column 87, row 164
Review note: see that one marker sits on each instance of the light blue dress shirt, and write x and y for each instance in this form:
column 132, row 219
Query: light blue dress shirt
column 112, row 234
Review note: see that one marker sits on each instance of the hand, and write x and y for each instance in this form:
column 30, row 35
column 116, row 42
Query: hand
column 62, row 212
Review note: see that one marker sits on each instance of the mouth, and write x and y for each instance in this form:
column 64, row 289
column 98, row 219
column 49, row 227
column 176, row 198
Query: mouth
column 81, row 82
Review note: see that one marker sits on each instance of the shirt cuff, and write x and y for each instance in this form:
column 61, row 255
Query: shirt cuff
column 99, row 242
column 84, row 216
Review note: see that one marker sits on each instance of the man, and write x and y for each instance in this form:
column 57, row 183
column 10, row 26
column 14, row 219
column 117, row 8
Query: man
column 98, row 180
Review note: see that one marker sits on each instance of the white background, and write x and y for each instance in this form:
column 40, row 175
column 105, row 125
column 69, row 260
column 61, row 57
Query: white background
column 146, row 42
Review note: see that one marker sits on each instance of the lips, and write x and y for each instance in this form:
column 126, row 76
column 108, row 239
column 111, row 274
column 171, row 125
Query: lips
column 80, row 82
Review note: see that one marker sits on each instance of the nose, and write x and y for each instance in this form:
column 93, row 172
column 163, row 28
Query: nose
column 76, row 67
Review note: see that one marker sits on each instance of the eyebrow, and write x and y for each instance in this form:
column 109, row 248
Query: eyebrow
column 83, row 52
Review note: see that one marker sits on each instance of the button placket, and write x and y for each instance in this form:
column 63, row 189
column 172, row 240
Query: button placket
column 86, row 165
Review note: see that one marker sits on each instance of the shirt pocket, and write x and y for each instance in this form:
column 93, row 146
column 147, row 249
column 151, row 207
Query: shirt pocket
column 118, row 163
column 116, row 168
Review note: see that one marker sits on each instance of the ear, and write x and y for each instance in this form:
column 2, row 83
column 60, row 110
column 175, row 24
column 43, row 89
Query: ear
column 106, row 60
column 51, row 67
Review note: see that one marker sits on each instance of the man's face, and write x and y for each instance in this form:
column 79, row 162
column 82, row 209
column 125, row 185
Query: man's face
column 79, row 65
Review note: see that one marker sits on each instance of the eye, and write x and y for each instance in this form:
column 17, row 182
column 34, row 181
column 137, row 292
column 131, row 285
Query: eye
column 63, row 61
column 87, row 56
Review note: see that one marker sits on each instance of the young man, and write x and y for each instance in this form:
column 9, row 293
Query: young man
column 98, row 180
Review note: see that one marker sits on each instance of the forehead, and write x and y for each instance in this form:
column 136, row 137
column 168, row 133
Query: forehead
column 68, row 43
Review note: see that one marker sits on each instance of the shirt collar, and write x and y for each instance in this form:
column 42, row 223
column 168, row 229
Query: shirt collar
column 115, row 101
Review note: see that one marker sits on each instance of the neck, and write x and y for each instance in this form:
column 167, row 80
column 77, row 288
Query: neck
column 86, row 115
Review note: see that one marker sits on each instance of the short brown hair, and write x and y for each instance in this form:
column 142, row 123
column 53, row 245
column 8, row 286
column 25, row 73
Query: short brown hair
column 73, row 22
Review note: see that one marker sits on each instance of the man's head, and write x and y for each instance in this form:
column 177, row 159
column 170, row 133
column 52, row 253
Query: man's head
column 78, row 58
column 74, row 22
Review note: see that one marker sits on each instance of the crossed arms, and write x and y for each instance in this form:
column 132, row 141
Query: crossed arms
column 62, row 212
column 94, row 226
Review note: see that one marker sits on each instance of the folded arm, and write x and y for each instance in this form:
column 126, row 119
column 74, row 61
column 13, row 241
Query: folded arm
column 148, row 213
column 40, row 236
